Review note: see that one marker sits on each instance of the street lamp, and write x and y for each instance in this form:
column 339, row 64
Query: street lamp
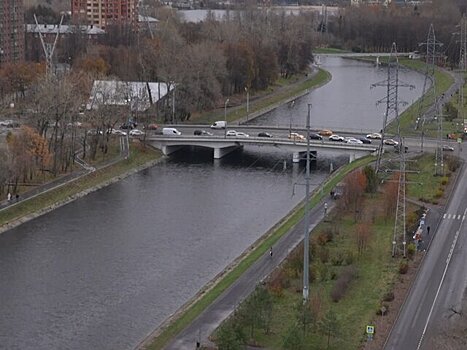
column 247, row 102
column 306, row 239
column 225, row 117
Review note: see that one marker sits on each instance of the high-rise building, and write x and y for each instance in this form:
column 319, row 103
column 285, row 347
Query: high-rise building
column 11, row 31
column 102, row 13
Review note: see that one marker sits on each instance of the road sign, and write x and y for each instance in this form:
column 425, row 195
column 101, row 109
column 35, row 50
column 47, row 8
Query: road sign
column 370, row 330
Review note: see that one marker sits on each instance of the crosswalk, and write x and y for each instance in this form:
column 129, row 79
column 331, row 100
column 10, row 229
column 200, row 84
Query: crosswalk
column 454, row 216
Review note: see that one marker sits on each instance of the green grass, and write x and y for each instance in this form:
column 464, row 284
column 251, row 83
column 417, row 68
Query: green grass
column 137, row 158
column 261, row 248
column 328, row 50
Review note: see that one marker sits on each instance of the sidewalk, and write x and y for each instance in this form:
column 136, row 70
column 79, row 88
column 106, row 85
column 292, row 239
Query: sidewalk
column 207, row 322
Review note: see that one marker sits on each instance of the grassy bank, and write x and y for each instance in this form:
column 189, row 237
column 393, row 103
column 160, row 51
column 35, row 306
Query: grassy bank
column 352, row 244
column 260, row 249
column 139, row 156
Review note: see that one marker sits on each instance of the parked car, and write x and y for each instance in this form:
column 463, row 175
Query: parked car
column 95, row 132
column 314, row 136
column 202, row 133
column 296, row 136
column 365, row 140
column 136, row 132
column 448, row 148
column 325, row 132
column 231, row 133
column 264, row 134
column 390, row 142
column 374, row 135
column 336, row 137
column 128, row 125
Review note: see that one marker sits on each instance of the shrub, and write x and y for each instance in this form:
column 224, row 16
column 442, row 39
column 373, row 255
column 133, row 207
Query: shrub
column 403, row 267
column 324, row 237
column 383, row 310
column 439, row 193
column 347, row 275
column 323, row 255
column 389, row 296
column 411, row 248
column 337, row 259
column 444, row 181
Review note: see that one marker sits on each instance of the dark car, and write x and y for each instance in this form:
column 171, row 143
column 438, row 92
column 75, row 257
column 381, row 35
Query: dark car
column 365, row 140
column 202, row 132
column 314, row 136
column 264, row 134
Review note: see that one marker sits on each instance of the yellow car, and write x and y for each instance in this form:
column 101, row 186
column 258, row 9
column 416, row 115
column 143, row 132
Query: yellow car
column 325, row 132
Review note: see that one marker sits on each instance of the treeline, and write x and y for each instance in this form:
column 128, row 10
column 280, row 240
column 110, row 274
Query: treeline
column 375, row 28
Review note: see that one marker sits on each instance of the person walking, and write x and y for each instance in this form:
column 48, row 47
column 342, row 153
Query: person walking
column 428, row 230
column 270, row 252
column 325, row 208
column 9, row 196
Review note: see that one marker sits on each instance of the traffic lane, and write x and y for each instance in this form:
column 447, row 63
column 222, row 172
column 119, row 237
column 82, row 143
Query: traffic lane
column 410, row 325
column 449, row 306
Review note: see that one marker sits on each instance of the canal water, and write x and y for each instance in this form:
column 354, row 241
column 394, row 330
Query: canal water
column 104, row 271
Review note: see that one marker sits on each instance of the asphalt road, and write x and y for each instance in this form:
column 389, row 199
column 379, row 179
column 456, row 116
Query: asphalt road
column 441, row 281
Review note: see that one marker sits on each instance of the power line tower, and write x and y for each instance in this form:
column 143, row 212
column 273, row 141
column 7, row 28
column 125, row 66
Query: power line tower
column 426, row 105
column 323, row 26
column 48, row 48
column 392, row 84
column 392, row 108
column 463, row 44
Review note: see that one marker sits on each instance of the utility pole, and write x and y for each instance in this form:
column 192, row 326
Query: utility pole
column 306, row 240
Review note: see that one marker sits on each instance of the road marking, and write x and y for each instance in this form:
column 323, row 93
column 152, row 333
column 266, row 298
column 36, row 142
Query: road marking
column 444, row 216
column 449, row 216
column 448, row 260
column 459, row 217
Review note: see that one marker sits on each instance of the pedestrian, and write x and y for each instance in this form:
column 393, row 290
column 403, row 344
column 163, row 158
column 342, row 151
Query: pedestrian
column 9, row 196
column 17, row 197
column 270, row 252
column 325, row 208
column 198, row 344
column 428, row 230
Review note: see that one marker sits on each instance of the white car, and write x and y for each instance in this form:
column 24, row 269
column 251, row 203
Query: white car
column 390, row 142
column 231, row 133
column 336, row 137
column 136, row 132
column 354, row 141
column 297, row 137
column 242, row 134
column 374, row 135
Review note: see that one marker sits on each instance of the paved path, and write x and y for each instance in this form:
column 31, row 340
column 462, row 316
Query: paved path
column 203, row 326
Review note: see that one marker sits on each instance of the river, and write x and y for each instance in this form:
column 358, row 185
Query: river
column 102, row 272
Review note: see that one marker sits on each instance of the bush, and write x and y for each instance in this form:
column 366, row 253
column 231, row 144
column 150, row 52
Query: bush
column 403, row 267
column 383, row 310
column 444, row 181
column 347, row 275
column 439, row 193
column 452, row 163
column 411, row 249
column 324, row 237
column 337, row 259
column 389, row 296
column 323, row 254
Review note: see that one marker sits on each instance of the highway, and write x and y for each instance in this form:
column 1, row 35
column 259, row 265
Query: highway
column 438, row 290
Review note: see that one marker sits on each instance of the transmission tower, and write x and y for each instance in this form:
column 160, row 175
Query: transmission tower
column 426, row 105
column 392, row 84
column 323, row 27
column 48, row 48
column 463, row 44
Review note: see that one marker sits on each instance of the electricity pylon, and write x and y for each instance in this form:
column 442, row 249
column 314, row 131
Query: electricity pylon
column 463, row 44
column 48, row 48
column 392, row 108
column 392, row 84
column 428, row 98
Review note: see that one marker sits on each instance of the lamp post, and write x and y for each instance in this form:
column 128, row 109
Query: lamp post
column 306, row 240
column 247, row 102
column 225, row 117
column 173, row 104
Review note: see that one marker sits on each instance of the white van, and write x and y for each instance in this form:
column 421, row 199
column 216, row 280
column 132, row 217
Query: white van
column 170, row 131
column 221, row 124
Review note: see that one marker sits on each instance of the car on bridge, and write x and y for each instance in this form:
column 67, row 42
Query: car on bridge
column 325, row 132
column 374, row 135
column 136, row 132
column 354, row 141
column 264, row 134
column 242, row 134
column 296, row 136
column 220, row 124
column 448, row 148
column 314, row 136
column 202, row 133
column 390, row 142
column 336, row 138
column 365, row 140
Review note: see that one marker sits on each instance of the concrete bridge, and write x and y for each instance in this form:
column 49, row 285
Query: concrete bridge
column 224, row 145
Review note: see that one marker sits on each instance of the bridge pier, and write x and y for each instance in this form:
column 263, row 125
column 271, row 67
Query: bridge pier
column 220, row 152
column 355, row 156
column 166, row 150
column 298, row 156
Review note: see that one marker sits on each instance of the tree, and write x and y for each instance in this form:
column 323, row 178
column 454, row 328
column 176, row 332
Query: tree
column 372, row 180
column 293, row 339
column 230, row 336
column 362, row 236
column 305, row 316
column 255, row 312
column 355, row 185
column 390, row 194
column 329, row 326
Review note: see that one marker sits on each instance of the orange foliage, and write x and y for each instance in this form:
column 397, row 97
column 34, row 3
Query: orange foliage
column 94, row 65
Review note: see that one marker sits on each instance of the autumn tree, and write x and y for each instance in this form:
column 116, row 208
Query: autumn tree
column 329, row 326
column 355, row 185
column 390, row 195
column 362, row 237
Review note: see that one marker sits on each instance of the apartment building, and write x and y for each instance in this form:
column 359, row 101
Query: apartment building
column 102, row 13
column 11, row 31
